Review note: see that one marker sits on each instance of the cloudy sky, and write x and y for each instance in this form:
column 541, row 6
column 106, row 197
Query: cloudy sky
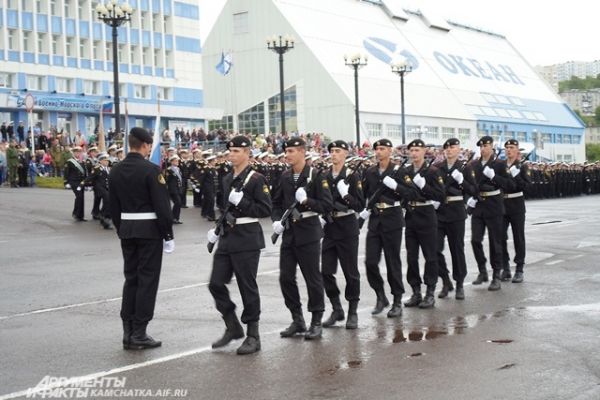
column 543, row 31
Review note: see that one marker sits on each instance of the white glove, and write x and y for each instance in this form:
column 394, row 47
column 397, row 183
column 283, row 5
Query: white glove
column 68, row 186
column 301, row 195
column 278, row 227
column 490, row 173
column 514, row 171
column 436, row 204
column 212, row 236
column 79, row 188
column 168, row 246
column 419, row 181
column 322, row 221
column 342, row 188
column 390, row 182
column 471, row 202
column 235, row 197
column 458, row 176
column 364, row 214
column 196, row 190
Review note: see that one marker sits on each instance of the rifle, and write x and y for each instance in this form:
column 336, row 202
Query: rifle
column 375, row 198
column 226, row 217
column 291, row 212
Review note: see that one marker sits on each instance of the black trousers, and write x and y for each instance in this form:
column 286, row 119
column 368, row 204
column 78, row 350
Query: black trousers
column 78, row 206
column 142, row 262
column 197, row 198
column 96, row 205
column 424, row 238
column 346, row 251
column 176, row 199
column 494, row 227
column 517, row 224
column 455, row 232
column 104, row 209
column 307, row 257
column 245, row 267
column 184, row 192
column 208, row 204
column 390, row 243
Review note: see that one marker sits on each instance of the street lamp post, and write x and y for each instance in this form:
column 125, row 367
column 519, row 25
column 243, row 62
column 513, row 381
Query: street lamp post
column 280, row 45
column 356, row 62
column 115, row 15
column 402, row 68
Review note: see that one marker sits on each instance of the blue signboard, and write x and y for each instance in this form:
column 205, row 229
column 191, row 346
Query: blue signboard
column 66, row 104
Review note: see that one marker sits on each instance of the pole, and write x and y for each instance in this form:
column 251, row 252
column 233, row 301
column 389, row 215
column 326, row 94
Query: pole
column 402, row 106
column 32, row 135
column 357, row 110
column 281, row 93
column 116, row 84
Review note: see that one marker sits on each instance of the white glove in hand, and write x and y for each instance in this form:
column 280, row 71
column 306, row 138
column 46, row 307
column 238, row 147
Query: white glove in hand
column 168, row 246
column 342, row 188
column 436, row 204
column 235, row 197
column 419, row 181
column 322, row 221
column 471, row 202
column 458, row 176
column 196, row 190
column 390, row 182
column 79, row 188
column 68, row 186
column 301, row 195
column 364, row 214
column 490, row 173
column 278, row 227
column 212, row 236
column 514, row 171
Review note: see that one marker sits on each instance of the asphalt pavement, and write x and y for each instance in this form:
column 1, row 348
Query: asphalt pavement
column 61, row 284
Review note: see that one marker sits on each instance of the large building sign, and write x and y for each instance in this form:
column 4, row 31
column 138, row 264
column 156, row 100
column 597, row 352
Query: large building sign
column 67, row 104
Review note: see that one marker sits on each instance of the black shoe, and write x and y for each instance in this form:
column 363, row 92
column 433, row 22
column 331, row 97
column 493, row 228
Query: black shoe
column 177, row 222
column 233, row 331
column 352, row 321
column 382, row 302
column 506, row 275
column 448, row 287
column 336, row 315
column 184, row 207
column 139, row 340
column 429, row 299
column 252, row 342
column 482, row 277
column 414, row 300
column 297, row 326
column 518, row 278
column 495, row 285
column 460, row 293
column 96, row 217
column 396, row 310
column 127, row 330
column 80, row 219
column 211, row 219
column 316, row 330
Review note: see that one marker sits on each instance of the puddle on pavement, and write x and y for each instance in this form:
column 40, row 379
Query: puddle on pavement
column 500, row 341
column 413, row 355
column 352, row 364
column 507, row 366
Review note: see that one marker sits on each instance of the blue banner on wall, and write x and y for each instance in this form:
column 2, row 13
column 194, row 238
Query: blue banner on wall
column 67, row 104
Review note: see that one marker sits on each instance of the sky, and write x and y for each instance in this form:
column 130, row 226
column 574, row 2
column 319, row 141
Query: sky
column 545, row 32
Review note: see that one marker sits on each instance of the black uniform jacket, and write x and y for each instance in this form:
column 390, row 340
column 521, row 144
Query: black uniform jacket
column 256, row 203
column 98, row 179
column 450, row 211
column 304, row 230
column 388, row 219
column 74, row 173
column 516, row 205
column 345, row 226
column 174, row 182
column 421, row 217
column 489, row 206
column 137, row 186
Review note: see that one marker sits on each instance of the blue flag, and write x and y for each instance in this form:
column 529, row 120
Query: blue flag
column 224, row 66
column 155, row 154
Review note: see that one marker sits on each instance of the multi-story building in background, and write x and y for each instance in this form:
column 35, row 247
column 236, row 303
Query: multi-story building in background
column 564, row 71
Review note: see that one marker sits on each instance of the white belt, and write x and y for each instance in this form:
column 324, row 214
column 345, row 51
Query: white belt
column 420, row 203
column 338, row 214
column 245, row 220
column 488, row 194
column 308, row 214
column 454, row 198
column 513, row 195
column 138, row 216
column 386, row 205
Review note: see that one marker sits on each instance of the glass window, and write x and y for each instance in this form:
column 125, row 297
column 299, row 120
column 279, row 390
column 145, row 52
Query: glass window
column 70, row 48
column 252, row 120
column 448, row 132
column 52, row 7
column 97, row 49
column 394, row 130
column 27, row 45
column 464, row 134
column 36, row 82
column 291, row 119
column 6, row 80
column 521, row 136
column 64, row 85
column 226, row 123
column 240, row 23
column 373, row 129
column 12, row 40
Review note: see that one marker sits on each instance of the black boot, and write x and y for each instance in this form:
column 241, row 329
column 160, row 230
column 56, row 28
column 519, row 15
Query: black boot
column 105, row 222
column 140, row 340
column 297, row 325
column 252, row 342
column 382, row 302
column 429, row 300
column 482, row 277
column 315, row 331
column 415, row 299
column 495, row 285
column 460, row 291
column 127, row 330
column 233, row 330
column 396, row 310
column 446, row 288
column 336, row 315
column 506, row 275
column 352, row 321
column 518, row 278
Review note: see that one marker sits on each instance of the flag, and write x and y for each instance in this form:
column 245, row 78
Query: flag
column 101, row 138
column 155, row 154
column 224, row 66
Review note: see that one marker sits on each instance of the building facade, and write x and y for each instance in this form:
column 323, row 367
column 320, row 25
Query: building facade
column 59, row 52
column 465, row 82
column 585, row 101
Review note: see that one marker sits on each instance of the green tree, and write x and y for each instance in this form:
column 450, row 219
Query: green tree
column 592, row 152
column 597, row 115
